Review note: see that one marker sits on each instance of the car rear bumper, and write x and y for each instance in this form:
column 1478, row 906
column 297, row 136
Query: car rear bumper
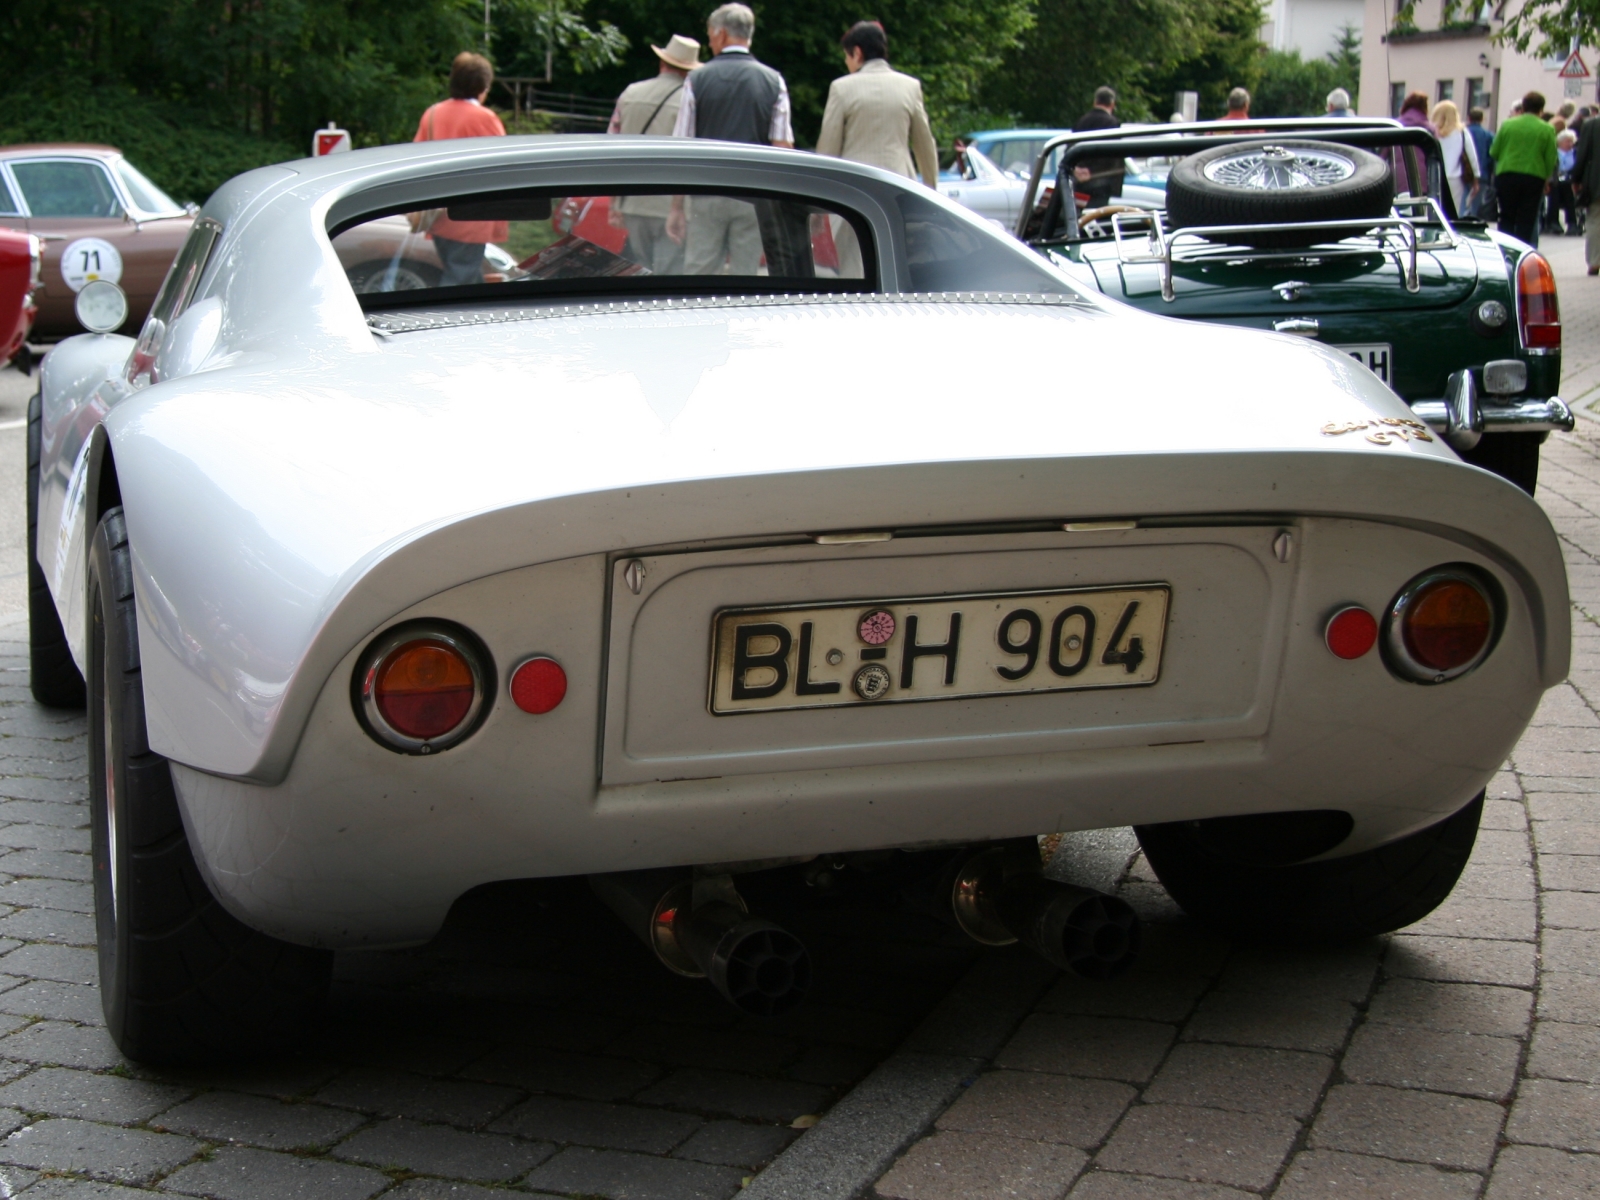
column 1522, row 416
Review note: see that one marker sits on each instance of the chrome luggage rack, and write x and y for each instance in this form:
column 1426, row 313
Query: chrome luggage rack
column 1421, row 227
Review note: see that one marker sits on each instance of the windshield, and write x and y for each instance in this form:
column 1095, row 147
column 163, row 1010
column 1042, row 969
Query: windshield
column 146, row 196
column 636, row 241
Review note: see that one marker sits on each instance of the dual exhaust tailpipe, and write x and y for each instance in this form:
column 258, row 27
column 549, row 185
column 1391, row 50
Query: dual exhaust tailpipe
column 699, row 926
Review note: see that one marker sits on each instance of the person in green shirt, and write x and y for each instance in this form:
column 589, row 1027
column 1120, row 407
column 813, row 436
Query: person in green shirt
column 1524, row 153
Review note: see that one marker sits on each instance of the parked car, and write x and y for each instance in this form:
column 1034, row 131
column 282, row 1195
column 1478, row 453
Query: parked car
column 974, row 182
column 20, row 258
column 1340, row 232
column 377, row 597
column 98, row 216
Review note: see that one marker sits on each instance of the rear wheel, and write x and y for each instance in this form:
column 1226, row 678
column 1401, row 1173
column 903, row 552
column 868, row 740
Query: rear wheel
column 53, row 677
column 1513, row 456
column 1328, row 900
column 405, row 275
column 181, row 980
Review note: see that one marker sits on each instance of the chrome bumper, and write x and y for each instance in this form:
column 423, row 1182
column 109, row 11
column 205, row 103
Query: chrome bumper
column 1523, row 416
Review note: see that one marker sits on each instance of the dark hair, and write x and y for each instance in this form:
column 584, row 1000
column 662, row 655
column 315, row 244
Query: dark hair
column 470, row 76
column 867, row 37
column 1533, row 103
column 1105, row 97
column 1417, row 101
column 1475, row 116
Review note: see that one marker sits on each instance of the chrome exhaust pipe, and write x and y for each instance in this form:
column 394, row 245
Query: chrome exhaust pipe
column 700, row 928
column 999, row 896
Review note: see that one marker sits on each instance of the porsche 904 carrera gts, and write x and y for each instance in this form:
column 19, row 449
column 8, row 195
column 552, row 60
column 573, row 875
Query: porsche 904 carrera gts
column 667, row 564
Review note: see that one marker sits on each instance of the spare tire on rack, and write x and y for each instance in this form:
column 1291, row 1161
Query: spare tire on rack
column 1274, row 182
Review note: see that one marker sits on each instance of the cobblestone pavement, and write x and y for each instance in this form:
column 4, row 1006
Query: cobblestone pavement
column 1457, row 1058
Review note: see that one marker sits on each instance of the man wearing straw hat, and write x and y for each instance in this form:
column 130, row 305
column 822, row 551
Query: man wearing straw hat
column 650, row 108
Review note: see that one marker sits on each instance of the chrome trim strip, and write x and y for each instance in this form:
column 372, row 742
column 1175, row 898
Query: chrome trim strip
column 1528, row 416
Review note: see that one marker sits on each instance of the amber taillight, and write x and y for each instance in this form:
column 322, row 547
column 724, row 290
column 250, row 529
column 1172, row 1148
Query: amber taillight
column 422, row 687
column 1538, row 315
column 1440, row 626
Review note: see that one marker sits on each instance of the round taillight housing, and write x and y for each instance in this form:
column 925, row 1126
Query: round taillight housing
column 1441, row 625
column 423, row 687
column 1351, row 632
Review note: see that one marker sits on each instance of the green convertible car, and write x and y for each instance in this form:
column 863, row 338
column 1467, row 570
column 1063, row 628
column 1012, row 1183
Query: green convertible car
column 1340, row 230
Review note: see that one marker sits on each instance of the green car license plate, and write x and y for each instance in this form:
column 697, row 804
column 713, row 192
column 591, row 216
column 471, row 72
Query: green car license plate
column 1377, row 357
column 937, row 648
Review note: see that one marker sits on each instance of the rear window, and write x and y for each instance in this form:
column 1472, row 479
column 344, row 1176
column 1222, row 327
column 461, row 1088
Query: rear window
column 949, row 254
column 636, row 242
column 67, row 189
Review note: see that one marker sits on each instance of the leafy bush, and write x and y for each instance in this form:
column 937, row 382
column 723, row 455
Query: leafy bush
column 180, row 149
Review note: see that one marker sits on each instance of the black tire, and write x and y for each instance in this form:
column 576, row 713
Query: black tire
column 181, row 980
column 1194, row 199
column 410, row 275
column 1513, row 456
column 53, row 677
column 1329, row 900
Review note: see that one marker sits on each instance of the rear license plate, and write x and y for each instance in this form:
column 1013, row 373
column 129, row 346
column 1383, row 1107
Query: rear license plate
column 939, row 648
column 1377, row 357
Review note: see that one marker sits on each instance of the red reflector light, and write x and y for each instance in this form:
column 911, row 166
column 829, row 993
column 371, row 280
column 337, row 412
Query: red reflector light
column 424, row 688
column 1352, row 632
column 1538, row 315
column 538, row 685
column 1447, row 624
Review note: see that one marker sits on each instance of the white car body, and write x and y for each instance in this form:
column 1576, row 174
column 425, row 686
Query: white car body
column 986, row 189
column 301, row 479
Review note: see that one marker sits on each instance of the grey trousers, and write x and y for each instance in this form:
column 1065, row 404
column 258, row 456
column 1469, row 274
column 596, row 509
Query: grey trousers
column 463, row 262
column 650, row 247
column 1591, row 235
column 721, row 228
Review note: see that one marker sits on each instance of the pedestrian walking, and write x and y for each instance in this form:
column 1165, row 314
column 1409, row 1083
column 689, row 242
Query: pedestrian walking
column 1099, row 178
column 1414, row 112
column 1524, row 154
column 875, row 114
column 1482, row 203
column 459, row 244
column 1339, row 103
column 1563, row 200
column 1586, row 182
column 649, row 108
column 733, row 98
column 1238, row 105
column 1461, row 169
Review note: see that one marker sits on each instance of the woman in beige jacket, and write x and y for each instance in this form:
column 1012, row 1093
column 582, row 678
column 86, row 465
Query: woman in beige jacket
column 875, row 114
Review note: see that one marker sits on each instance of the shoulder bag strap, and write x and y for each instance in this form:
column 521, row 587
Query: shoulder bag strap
column 659, row 107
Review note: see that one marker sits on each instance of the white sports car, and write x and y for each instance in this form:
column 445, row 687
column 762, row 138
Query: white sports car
column 689, row 548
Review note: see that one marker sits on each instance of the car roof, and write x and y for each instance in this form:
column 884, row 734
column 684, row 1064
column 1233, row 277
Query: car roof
column 994, row 133
column 43, row 149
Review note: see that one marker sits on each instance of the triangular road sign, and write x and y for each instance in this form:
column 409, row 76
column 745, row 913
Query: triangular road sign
column 1574, row 67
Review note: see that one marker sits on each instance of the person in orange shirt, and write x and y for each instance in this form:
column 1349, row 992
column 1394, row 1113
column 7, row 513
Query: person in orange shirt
column 460, row 244
column 1238, row 105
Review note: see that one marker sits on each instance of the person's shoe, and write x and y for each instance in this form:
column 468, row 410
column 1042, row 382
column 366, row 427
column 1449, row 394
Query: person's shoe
column 1594, row 270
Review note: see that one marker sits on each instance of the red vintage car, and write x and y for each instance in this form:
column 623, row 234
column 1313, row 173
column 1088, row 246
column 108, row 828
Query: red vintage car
column 21, row 266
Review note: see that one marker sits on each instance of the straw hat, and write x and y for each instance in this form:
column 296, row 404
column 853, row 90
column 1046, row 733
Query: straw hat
column 680, row 52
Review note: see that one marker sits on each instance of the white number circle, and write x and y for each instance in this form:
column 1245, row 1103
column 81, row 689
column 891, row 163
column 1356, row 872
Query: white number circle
column 88, row 259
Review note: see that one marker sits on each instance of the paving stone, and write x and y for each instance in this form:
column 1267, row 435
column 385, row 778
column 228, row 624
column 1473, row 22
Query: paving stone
column 591, row 1123
column 44, row 837
column 34, row 812
column 969, row 1166
column 1452, row 1007
column 1564, row 996
column 1461, row 960
column 56, row 792
column 1504, row 814
column 237, row 1173
column 64, row 1093
column 1449, row 1131
column 1110, row 1185
column 104, row 1151
column 1465, row 1063
column 1145, row 997
column 1495, row 883
column 399, row 1094
column 56, row 1043
column 49, row 893
column 445, row 1189
column 1174, row 1140
column 1344, row 972
column 54, row 1187
column 1551, row 1113
column 1576, row 950
column 284, row 1078
column 620, row 1174
column 1241, row 1079
column 68, row 964
column 831, row 1066
column 1557, row 910
column 717, row 1049
column 441, row 1150
column 50, row 864
column 1095, row 1047
column 259, row 1121
column 1039, row 1108
column 1563, row 872
column 723, row 1093
column 539, row 1070
column 1328, row 1174
column 1551, row 837
column 735, row 1143
column 1502, row 849
column 1476, row 917
column 49, row 925
column 1533, row 1171
column 51, row 1000
column 1293, row 1022
column 1563, row 1051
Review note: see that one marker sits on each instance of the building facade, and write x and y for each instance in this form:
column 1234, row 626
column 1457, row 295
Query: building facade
column 1449, row 53
column 1309, row 26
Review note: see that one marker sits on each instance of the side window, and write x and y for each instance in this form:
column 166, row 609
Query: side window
column 66, row 189
column 8, row 202
column 174, row 296
column 948, row 254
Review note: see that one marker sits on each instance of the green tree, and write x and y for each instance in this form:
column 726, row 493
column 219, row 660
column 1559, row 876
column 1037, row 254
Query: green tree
column 532, row 36
column 1550, row 26
column 1292, row 87
column 1222, row 52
